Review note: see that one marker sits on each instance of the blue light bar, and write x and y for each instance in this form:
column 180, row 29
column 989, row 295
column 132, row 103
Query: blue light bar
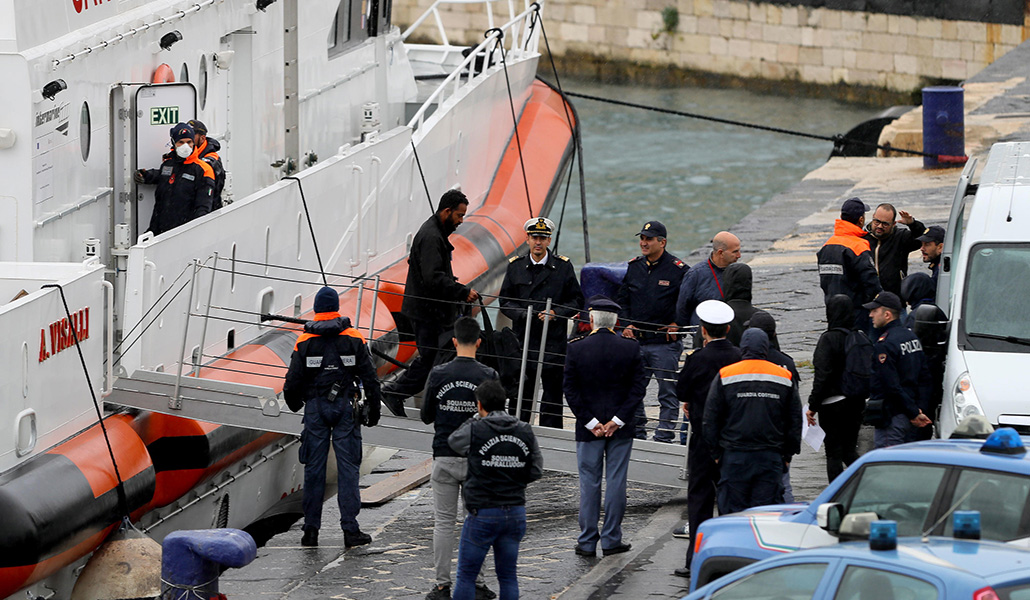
column 1004, row 441
column 966, row 524
column 883, row 535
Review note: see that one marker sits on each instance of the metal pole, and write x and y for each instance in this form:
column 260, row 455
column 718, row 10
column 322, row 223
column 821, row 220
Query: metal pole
column 537, row 381
column 207, row 315
column 357, row 310
column 525, row 357
column 372, row 319
column 174, row 402
column 582, row 195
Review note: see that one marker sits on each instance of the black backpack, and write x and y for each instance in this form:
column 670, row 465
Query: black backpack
column 858, row 364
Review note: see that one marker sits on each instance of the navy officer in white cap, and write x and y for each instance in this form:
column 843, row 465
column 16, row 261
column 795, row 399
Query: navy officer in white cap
column 529, row 281
column 695, row 379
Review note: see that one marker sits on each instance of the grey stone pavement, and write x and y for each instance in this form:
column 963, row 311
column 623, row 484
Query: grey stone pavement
column 779, row 242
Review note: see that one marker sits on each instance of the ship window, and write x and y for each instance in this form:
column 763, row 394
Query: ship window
column 202, row 71
column 267, row 304
column 296, row 306
column 85, row 132
column 184, row 74
column 230, row 340
column 348, row 27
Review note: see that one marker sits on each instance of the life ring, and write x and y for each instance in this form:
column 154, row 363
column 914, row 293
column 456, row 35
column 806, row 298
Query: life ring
column 163, row 74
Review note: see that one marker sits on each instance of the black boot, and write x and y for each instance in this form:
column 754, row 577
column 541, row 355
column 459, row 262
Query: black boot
column 356, row 538
column 310, row 537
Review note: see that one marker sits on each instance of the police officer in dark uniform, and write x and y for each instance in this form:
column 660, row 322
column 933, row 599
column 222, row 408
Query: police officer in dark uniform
column 329, row 360
column 648, row 299
column 699, row 369
column 530, row 281
column 899, row 383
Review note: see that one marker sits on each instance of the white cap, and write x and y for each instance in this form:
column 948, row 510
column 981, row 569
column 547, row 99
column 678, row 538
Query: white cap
column 715, row 312
column 541, row 226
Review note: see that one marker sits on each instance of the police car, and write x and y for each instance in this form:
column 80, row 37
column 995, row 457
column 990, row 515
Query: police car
column 918, row 485
column 886, row 568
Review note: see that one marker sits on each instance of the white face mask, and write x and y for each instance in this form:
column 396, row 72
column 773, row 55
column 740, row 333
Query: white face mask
column 184, row 150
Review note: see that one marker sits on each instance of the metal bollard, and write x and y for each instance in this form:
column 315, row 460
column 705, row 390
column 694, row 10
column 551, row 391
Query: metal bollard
column 944, row 127
column 191, row 561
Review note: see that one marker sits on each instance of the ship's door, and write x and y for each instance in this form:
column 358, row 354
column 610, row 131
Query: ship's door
column 156, row 108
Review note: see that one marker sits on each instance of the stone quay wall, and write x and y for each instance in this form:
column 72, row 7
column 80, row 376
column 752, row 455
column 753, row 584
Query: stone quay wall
column 771, row 42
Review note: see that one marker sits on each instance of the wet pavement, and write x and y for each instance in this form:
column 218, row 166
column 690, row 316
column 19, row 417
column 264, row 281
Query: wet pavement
column 779, row 242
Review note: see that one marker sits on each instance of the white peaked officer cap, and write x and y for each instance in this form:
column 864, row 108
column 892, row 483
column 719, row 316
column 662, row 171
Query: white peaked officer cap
column 715, row 312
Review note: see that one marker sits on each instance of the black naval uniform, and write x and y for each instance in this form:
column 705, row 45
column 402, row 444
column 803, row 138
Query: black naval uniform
column 699, row 370
column 526, row 284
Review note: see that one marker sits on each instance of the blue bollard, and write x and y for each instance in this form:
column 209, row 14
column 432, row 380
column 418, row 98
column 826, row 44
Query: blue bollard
column 602, row 278
column 191, row 560
column 943, row 127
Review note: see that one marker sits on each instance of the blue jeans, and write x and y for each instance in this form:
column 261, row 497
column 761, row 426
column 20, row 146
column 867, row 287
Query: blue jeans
column 608, row 455
column 662, row 361
column 324, row 422
column 900, row 430
column 749, row 479
column 501, row 528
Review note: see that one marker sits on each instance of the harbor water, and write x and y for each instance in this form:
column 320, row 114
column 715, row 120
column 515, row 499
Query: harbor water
column 697, row 177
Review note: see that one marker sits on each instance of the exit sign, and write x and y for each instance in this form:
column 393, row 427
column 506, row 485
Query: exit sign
column 164, row 115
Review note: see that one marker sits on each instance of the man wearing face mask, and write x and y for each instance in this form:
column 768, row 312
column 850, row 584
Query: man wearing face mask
column 185, row 184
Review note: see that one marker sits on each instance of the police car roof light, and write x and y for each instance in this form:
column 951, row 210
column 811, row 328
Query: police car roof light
column 883, row 535
column 966, row 524
column 1004, row 441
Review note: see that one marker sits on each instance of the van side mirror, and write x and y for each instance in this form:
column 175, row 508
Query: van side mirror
column 829, row 516
column 930, row 325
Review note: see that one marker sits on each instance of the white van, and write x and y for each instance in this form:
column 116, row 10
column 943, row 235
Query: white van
column 984, row 289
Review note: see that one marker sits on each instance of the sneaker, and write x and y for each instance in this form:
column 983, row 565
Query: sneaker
column 310, row 537
column 395, row 403
column 484, row 593
column 682, row 532
column 356, row 538
column 439, row 593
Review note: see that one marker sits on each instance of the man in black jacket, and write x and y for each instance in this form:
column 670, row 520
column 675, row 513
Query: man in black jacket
column 185, row 184
column 207, row 151
column 752, row 426
column 891, row 245
column 329, row 359
column 503, row 458
column 839, row 416
column 449, row 401
column 846, row 263
column 699, row 369
column 431, row 295
column 604, row 386
column 529, row 281
column 737, row 283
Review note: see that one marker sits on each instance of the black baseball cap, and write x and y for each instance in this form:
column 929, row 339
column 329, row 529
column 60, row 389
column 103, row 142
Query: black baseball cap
column 886, row 299
column 198, row 126
column 653, row 229
column 933, row 233
column 853, row 208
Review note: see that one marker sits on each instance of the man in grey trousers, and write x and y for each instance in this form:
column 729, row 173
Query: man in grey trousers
column 449, row 401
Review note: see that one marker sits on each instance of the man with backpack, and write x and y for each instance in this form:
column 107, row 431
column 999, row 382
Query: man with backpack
column 899, row 376
column 840, row 414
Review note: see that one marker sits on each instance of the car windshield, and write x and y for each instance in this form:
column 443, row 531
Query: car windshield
column 900, row 492
column 994, row 315
column 1019, row 591
column 1001, row 499
column 790, row 582
column 864, row 583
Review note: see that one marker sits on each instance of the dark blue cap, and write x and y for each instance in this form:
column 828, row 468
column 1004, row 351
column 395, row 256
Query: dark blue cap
column 602, row 303
column 653, row 229
column 887, row 299
column 182, row 131
column 933, row 233
column 853, row 208
column 327, row 300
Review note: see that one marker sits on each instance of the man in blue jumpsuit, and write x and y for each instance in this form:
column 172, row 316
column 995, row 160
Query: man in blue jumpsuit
column 328, row 361
column 648, row 299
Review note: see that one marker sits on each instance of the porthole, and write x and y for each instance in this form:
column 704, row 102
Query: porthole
column 202, row 74
column 184, row 74
column 85, row 131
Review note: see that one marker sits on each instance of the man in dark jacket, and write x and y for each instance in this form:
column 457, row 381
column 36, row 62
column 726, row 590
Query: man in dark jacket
column 916, row 290
column 846, row 263
column 207, row 151
column 503, row 458
column 899, row 382
column 704, row 280
column 752, row 426
column 449, row 401
column 529, row 282
column 932, row 244
column 648, row 298
column 329, row 359
column 699, row 369
column 431, row 295
column 604, row 386
column 736, row 283
column 891, row 245
column 185, row 184
column 839, row 416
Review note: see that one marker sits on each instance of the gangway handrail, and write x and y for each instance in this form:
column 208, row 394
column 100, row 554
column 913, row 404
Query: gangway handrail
column 415, row 123
column 434, row 10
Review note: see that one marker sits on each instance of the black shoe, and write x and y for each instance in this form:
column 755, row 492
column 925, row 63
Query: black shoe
column 484, row 593
column 438, row 593
column 356, row 538
column 617, row 549
column 310, row 537
column 682, row 572
column 682, row 532
column 585, row 552
column 395, row 403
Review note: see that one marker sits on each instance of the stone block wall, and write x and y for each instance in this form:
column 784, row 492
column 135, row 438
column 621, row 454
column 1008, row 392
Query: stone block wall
column 754, row 40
